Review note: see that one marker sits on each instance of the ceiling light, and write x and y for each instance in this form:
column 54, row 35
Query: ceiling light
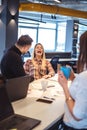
column 59, row 1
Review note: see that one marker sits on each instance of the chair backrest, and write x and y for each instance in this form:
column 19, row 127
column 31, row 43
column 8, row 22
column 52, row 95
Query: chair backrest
column 54, row 62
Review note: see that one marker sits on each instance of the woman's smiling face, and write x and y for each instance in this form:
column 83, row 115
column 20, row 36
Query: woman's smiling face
column 38, row 50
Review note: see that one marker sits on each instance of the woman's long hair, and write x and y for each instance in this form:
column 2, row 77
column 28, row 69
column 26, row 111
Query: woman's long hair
column 42, row 57
column 82, row 59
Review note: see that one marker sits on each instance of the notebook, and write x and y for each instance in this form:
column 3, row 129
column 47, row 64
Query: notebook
column 11, row 121
column 17, row 87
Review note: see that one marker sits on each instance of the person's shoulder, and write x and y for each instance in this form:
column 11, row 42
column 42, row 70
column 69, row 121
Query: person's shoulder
column 8, row 54
column 84, row 73
column 82, row 76
column 11, row 53
column 9, row 50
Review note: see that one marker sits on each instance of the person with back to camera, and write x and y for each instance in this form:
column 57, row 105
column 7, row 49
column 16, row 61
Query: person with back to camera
column 38, row 64
column 12, row 63
column 75, row 116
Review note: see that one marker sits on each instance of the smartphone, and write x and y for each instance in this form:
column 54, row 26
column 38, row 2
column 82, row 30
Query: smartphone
column 66, row 71
column 44, row 100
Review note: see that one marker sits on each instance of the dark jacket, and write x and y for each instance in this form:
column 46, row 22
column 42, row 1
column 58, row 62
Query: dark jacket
column 12, row 64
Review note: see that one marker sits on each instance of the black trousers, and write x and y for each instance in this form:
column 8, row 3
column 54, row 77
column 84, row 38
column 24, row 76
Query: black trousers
column 62, row 126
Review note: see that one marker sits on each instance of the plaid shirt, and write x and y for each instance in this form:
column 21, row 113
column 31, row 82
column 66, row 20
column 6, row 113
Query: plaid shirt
column 36, row 69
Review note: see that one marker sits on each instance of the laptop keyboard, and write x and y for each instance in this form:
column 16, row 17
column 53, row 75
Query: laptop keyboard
column 11, row 123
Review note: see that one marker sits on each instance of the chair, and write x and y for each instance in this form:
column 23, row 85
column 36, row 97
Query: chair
column 54, row 62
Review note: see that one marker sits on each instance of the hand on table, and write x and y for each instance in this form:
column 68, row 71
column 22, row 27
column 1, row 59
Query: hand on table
column 47, row 76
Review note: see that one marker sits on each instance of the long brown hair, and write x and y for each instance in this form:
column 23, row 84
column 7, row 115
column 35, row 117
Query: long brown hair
column 82, row 59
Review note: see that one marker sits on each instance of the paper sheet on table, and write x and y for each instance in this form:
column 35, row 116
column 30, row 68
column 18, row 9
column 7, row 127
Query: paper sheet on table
column 37, row 84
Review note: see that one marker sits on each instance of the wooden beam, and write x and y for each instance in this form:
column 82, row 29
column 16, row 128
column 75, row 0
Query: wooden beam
column 52, row 9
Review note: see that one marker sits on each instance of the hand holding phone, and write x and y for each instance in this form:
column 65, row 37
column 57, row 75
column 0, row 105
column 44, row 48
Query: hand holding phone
column 66, row 71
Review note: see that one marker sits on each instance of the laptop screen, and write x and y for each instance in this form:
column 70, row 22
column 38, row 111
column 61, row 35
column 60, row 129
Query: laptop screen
column 5, row 106
column 17, row 87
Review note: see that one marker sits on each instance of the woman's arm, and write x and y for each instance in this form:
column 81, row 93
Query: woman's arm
column 50, row 70
column 69, row 100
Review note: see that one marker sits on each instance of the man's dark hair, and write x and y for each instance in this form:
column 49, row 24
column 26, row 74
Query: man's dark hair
column 24, row 40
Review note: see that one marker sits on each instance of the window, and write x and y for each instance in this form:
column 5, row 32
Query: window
column 61, row 36
column 47, row 38
column 52, row 38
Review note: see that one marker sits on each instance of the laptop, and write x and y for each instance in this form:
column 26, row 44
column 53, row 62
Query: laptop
column 11, row 121
column 17, row 87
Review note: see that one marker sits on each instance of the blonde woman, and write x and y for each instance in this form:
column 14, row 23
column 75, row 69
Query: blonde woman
column 38, row 65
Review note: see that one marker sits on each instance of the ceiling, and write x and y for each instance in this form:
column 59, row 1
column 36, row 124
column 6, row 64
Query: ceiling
column 80, row 5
